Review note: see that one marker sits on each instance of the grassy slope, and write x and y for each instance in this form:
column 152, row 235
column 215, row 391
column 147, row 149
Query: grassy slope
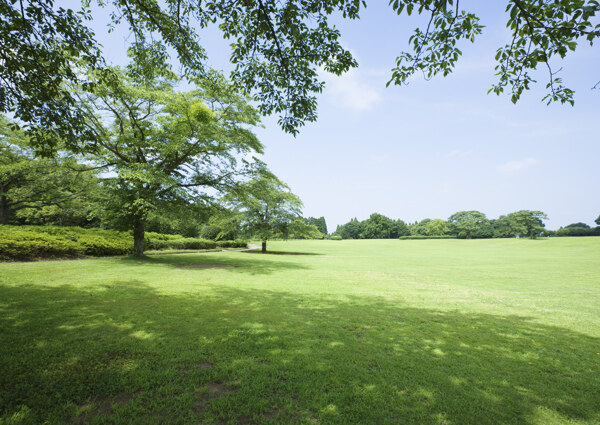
column 371, row 332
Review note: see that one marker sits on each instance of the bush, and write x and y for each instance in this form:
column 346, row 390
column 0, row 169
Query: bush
column 18, row 244
column 182, row 243
column 232, row 244
column 98, row 246
column 335, row 237
column 427, row 237
column 38, row 242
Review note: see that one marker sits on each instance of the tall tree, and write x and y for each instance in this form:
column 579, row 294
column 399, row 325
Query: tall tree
column 268, row 208
column 468, row 222
column 528, row 223
column 319, row 223
column 351, row 230
column 277, row 48
column 165, row 145
column 598, row 221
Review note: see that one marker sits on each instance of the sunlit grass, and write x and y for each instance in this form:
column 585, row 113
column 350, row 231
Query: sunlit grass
column 369, row 332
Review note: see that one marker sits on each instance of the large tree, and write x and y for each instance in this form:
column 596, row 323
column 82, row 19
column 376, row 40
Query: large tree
column 468, row 223
column 277, row 48
column 164, row 145
column 520, row 223
column 528, row 223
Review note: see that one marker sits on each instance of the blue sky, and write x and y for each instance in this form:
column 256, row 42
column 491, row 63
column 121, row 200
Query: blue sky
column 432, row 148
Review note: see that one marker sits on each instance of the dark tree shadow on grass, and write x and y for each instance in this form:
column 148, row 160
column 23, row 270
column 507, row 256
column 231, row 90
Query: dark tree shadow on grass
column 258, row 251
column 235, row 264
column 129, row 354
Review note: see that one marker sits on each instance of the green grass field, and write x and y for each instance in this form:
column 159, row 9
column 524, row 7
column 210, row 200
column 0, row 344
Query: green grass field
column 354, row 332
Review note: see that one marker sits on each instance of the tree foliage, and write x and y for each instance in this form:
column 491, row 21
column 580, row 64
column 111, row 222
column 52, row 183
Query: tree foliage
column 319, row 223
column 41, row 190
column 277, row 49
column 377, row 226
column 470, row 224
column 524, row 223
column 167, row 146
column 268, row 209
column 577, row 225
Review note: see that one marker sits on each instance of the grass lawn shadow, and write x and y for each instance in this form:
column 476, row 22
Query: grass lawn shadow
column 128, row 354
column 237, row 264
column 258, row 251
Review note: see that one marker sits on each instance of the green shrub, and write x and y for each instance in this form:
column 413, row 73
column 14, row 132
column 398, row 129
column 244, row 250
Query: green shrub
column 18, row 244
column 335, row 237
column 232, row 244
column 98, row 246
column 182, row 243
column 38, row 242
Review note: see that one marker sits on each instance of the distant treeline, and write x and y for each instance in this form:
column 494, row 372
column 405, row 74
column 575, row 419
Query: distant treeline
column 461, row 225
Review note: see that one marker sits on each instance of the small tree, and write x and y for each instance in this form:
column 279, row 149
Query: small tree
column 268, row 208
column 598, row 221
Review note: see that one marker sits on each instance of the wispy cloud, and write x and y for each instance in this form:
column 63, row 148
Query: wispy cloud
column 512, row 167
column 349, row 91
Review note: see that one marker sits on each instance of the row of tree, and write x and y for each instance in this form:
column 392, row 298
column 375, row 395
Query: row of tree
column 463, row 224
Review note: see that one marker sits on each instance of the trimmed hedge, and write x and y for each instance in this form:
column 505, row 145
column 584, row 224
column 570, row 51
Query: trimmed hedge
column 232, row 244
column 18, row 243
column 34, row 242
column 182, row 243
column 28, row 245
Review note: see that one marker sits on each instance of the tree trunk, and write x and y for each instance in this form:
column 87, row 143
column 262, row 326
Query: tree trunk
column 264, row 247
column 138, row 238
column 4, row 210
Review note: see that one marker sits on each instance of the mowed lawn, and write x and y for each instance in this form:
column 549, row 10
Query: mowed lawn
column 350, row 332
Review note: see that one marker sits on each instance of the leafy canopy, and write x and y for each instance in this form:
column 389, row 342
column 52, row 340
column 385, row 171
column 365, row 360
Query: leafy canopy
column 165, row 146
column 277, row 49
column 38, row 189
column 269, row 209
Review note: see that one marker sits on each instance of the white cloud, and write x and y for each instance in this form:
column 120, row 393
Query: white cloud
column 348, row 91
column 512, row 167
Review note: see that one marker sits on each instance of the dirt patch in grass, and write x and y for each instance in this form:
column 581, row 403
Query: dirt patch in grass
column 103, row 406
column 216, row 389
column 205, row 365
column 274, row 413
column 207, row 266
